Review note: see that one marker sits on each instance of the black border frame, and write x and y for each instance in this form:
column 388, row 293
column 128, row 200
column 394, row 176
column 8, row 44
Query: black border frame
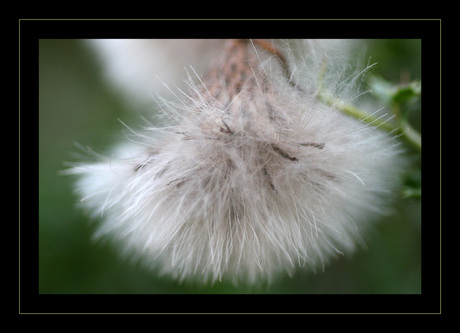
column 31, row 302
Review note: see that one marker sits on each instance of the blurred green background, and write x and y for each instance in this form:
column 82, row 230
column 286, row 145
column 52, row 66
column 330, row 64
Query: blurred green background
column 77, row 106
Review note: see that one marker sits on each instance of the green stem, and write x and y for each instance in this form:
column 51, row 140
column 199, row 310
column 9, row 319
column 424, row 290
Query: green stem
column 410, row 135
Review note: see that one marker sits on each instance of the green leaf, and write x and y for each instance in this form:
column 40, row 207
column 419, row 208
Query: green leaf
column 393, row 94
column 407, row 92
column 412, row 184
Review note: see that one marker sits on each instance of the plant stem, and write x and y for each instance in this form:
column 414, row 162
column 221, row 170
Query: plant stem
column 411, row 135
column 406, row 131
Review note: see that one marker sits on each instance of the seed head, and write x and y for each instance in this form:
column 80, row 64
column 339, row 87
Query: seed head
column 251, row 175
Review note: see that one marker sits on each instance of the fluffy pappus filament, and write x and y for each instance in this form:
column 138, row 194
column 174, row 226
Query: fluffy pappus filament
column 251, row 177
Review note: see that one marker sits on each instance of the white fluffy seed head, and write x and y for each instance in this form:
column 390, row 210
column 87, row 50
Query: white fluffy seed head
column 252, row 176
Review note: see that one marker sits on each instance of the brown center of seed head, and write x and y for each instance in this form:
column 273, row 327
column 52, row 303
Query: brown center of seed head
column 239, row 67
column 238, row 87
